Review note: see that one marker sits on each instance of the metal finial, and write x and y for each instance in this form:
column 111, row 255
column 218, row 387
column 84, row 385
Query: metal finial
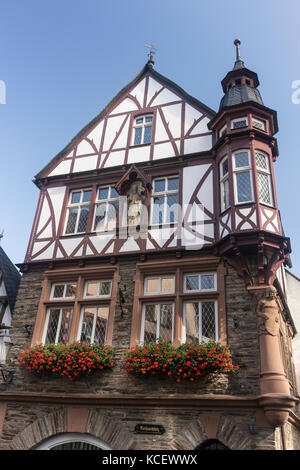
column 152, row 51
column 237, row 43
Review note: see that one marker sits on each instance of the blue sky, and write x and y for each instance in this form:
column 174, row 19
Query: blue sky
column 62, row 61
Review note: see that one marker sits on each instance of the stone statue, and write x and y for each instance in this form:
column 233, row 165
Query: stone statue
column 267, row 313
column 136, row 200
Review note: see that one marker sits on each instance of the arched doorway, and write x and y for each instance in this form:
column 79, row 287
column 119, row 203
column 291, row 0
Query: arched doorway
column 212, row 444
column 72, row 441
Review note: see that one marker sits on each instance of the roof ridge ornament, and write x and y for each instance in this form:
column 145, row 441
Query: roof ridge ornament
column 239, row 64
column 152, row 51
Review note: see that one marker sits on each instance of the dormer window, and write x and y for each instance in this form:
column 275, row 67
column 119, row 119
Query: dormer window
column 258, row 124
column 142, row 129
column 239, row 123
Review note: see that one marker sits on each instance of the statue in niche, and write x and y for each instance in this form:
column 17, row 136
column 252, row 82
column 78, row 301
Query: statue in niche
column 267, row 312
column 136, row 200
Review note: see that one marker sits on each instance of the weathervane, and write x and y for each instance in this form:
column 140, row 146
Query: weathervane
column 152, row 51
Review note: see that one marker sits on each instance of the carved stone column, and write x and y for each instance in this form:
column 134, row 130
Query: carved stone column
column 274, row 384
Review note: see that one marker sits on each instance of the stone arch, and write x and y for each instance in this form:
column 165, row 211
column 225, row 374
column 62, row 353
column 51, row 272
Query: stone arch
column 226, row 431
column 111, row 431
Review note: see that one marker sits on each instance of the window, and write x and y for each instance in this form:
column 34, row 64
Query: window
column 242, row 177
column 97, row 288
column 63, row 291
column 93, row 324
column 222, row 131
column 264, row 180
column 258, row 124
column 57, row 325
column 159, row 285
column 239, row 123
column 248, row 82
column 142, row 130
column 78, row 211
column 157, row 322
column 200, row 321
column 165, row 200
column 200, row 282
column 224, row 184
column 106, row 209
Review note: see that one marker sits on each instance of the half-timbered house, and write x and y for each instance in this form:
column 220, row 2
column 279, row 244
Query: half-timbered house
column 160, row 220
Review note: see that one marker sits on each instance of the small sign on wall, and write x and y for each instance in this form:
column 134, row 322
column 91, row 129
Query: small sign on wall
column 149, row 429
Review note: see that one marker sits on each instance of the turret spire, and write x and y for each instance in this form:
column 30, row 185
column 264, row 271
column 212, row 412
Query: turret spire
column 239, row 64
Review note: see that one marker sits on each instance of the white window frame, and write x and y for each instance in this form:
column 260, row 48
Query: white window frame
column 165, row 195
column 222, row 131
column 223, row 180
column 260, row 122
column 98, row 296
column 65, row 284
column 75, row 205
column 268, row 173
column 142, row 125
column 94, row 321
column 186, row 291
column 142, row 335
column 59, row 322
column 160, row 292
column 200, row 318
column 243, row 169
column 107, row 202
column 244, row 118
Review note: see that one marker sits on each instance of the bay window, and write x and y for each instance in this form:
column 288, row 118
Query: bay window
column 242, row 176
column 264, row 179
column 224, row 184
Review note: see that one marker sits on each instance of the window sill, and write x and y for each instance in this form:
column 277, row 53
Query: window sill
column 139, row 145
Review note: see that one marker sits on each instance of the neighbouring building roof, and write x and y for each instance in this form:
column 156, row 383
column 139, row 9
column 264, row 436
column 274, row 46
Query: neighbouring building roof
column 11, row 277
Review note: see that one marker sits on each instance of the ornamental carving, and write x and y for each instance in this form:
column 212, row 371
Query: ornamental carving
column 268, row 313
column 136, row 200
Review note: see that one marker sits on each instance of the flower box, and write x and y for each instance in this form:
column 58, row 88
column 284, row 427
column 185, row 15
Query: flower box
column 67, row 360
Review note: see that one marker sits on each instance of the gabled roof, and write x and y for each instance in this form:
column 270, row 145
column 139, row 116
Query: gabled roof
column 11, row 278
column 146, row 69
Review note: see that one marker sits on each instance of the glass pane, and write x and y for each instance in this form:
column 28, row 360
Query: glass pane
column 100, row 217
column 207, row 281
column 243, row 184
column 239, row 124
column 192, row 282
column 139, row 120
column 158, row 210
column 149, row 118
column 172, row 208
column 261, row 161
column 159, row 186
column 208, row 320
column 92, row 288
column 225, row 167
column 192, row 321
column 166, row 322
column 258, row 124
column 72, row 220
column 151, row 315
column 87, row 324
column 173, row 184
column 167, row 284
column 152, row 285
column 103, row 193
column 147, row 134
column 264, row 188
column 58, row 291
column 101, row 322
column 114, row 193
column 241, row 159
column 75, row 197
column 105, row 287
column 84, row 213
column 87, row 196
column 70, row 290
column 225, row 194
column 65, row 325
column 112, row 211
column 138, row 135
column 52, row 325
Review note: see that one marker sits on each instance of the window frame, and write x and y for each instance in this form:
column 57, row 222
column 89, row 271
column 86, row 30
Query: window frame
column 223, row 179
column 165, row 195
column 261, row 122
column 200, row 301
column 99, row 296
column 96, row 306
column 107, row 201
column 79, row 205
column 233, row 121
column 64, row 297
column 267, row 172
column 215, row 289
column 158, row 323
column 222, row 131
column 142, row 125
column 160, row 292
column 46, row 324
column 243, row 169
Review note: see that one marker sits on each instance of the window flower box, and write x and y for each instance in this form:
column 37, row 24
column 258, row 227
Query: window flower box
column 67, row 360
column 191, row 361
